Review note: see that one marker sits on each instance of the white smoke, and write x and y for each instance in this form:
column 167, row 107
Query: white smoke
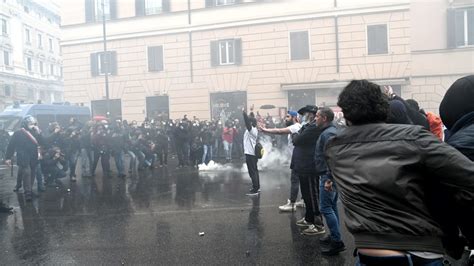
column 272, row 159
column 214, row 167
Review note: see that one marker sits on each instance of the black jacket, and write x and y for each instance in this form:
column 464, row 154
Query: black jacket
column 385, row 173
column 462, row 138
column 302, row 159
column 26, row 149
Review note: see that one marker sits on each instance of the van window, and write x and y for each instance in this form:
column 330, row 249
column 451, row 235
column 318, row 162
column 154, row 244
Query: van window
column 44, row 121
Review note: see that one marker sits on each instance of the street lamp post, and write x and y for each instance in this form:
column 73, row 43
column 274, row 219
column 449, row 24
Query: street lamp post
column 106, row 62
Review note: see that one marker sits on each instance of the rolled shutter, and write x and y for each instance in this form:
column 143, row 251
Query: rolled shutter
column 113, row 9
column 90, row 10
column 238, row 51
column 165, row 5
column 214, row 53
column 94, row 66
column 112, row 62
column 139, row 8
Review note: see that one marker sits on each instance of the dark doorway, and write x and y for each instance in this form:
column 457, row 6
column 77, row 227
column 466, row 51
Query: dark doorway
column 99, row 107
column 228, row 105
column 158, row 107
column 300, row 98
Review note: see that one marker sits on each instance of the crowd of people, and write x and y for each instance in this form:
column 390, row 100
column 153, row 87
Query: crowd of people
column 405, row 176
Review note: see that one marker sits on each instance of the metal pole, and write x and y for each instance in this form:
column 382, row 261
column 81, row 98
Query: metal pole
column 106, row 62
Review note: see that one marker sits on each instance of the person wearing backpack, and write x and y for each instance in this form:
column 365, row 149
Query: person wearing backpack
column 251, row 159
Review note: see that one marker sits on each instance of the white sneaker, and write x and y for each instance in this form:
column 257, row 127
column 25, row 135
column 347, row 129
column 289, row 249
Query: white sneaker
column 300, row 203
column 288, row 207
column 313, row 230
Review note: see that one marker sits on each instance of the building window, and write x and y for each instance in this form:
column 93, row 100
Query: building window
column 102, row 63
column 6, row 58
column 4, row 27
column 226, row 52
column 460, row 27
column 40, row 41
column 224, row 2
column 7, row 90
column 377, row 39
column 29, row 64
column 41, row 67
column 153, row 7
column 51, row 45
column 28, row 36
column 31, row 94
column 102, row 7
column 155, row 58
column 96, row 9
column 51, row 70
column 299, row 45
column 26, row 9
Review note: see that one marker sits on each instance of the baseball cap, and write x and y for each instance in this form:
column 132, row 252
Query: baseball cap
column 293, row 113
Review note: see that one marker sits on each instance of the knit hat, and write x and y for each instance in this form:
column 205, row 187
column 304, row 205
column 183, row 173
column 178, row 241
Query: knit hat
column 458, row 101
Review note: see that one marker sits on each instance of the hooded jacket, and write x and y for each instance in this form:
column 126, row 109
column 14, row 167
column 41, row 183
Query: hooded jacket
column 302, row 159
column 385, row 173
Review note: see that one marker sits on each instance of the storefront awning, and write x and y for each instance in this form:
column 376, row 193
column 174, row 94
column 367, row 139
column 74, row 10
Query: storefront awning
column 339, row 84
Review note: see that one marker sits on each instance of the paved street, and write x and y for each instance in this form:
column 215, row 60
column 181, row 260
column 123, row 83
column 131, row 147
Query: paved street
column 156, row 218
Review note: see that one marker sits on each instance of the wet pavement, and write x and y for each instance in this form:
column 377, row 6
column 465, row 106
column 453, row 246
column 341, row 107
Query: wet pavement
column 156, row 217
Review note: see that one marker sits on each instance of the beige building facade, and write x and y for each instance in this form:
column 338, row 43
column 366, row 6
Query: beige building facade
column 212, row 58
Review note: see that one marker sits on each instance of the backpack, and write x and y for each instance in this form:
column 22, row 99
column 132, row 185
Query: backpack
column 259, row 151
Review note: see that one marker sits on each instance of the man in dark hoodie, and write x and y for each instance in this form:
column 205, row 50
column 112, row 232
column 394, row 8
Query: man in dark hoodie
column 457, row 112
column 302, row 163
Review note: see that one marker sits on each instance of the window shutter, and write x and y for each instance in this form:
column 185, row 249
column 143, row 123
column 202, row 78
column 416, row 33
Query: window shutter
column 383, row 38
column 210, row 3
column 159, row 58
column 214, row 53
column 451, row 28
column 470, row 26
column 238, row 51
column 94, row 65
column 90, row 11
column 299, row 45
column 151, row 59
column 139, row 8
column 459, row 27
column 371, row 40
column 112, row 62
column 113, row 9
column 165, row 4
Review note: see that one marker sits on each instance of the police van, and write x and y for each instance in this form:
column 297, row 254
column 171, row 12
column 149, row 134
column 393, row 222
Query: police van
column 11, row 117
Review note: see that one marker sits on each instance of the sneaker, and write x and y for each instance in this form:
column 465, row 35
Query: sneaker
column 288, row 207
column 303, row 223
column 334, row 248
column 313, row 230
column 252, row 192
column 300, row 203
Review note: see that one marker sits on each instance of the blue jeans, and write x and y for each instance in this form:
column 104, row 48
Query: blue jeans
column 206, row 153
column 407, row 260
column 228, row 150
column 328, row 208
column 118, row 157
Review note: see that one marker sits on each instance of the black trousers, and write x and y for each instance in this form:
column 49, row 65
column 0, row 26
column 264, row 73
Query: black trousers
column 309, row 185
column 253, row 170
column 104, row 157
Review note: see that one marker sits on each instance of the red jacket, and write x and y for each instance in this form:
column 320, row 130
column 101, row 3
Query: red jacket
column 228, row 134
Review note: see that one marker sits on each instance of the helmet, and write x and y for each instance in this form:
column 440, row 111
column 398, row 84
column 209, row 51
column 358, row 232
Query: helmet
column 28, row 121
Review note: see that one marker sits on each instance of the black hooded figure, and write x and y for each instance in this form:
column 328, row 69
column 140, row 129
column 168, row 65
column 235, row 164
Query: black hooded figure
column 26, row 143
